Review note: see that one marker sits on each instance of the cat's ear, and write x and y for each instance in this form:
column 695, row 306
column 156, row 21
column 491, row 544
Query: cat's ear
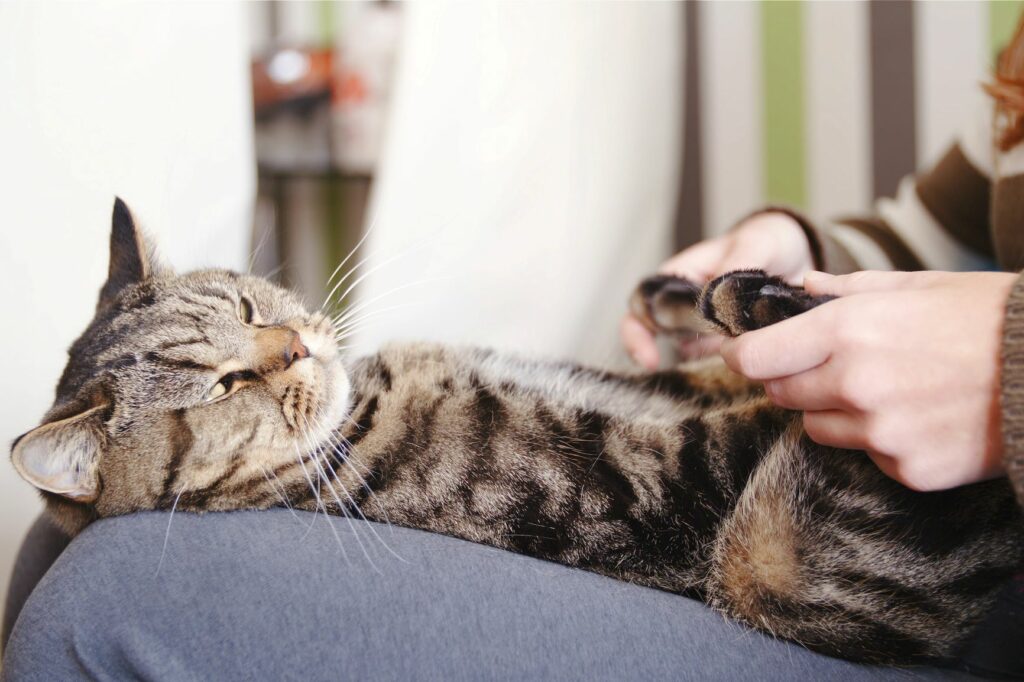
column 63, row 457
column 132, row 256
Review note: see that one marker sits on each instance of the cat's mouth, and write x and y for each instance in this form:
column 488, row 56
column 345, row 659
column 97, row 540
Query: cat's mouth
column 318, row 398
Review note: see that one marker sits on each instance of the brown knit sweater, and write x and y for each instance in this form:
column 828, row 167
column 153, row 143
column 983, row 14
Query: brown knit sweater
column 964, row 213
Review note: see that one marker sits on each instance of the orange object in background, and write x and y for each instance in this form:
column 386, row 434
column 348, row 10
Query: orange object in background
column 291, row 77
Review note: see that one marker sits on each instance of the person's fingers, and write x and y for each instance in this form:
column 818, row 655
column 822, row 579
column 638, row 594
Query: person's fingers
column 835, row 428
column 811, row 391
column 779, row 350
column 867, row 281
column 698, row 263
column 890, row 466
column 639, row 342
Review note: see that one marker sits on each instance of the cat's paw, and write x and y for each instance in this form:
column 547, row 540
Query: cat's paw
column 744, row 300
column 668, row 305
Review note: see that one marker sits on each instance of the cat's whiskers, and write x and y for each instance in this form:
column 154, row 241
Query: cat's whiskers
column 315, row 489
column 424, row 240
column 361, row 277
column 316, row 449
column 363, row 315
column 167, row 533
column 355, row 505
column 331, row 454
column 274, row 481
column 348, row 256
column 346, row 447
column 362, row 305
column 353, row 326
column 259, row 247
column 278, row 270
column 583, row 481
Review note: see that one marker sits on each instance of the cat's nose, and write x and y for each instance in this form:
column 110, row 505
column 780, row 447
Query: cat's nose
column 295, row 351
column 278, row 348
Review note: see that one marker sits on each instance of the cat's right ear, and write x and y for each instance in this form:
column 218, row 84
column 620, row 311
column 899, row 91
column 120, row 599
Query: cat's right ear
column 62, row 457
column 132, row 257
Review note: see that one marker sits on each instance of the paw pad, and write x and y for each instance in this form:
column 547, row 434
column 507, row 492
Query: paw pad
column 734, row 303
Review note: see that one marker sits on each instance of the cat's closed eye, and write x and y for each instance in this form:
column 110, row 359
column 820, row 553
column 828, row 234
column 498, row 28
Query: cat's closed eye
column 246, row 310
column 227, row 384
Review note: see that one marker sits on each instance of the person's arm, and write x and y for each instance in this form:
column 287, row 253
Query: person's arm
column 939, row 219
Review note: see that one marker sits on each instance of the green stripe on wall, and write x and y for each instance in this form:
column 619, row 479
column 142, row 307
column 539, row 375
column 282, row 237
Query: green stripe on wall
column 1002, row 19
column 782, row 66
column 325, row 23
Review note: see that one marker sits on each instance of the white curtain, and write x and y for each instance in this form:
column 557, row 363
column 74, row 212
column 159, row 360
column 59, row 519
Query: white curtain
column 146, row 100
column 529, row 175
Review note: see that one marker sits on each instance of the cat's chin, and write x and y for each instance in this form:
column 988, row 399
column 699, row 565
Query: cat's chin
column 336, row 399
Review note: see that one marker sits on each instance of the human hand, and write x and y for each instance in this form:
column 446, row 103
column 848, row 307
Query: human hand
column 904, row 365
column 774, row 242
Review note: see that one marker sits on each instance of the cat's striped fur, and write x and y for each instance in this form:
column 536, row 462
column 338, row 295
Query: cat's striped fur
column 687, row 480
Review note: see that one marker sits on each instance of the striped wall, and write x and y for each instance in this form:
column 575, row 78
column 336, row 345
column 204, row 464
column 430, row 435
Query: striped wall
column 825, row 105
column 822, row 105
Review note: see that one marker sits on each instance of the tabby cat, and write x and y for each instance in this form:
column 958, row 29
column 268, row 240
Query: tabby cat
column 215, row 391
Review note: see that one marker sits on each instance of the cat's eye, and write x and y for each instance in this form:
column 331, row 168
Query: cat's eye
column 229, row 383
column 222, row 387
column 246, row 310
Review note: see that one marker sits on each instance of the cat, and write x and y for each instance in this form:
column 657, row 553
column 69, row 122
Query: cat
column 215, row 391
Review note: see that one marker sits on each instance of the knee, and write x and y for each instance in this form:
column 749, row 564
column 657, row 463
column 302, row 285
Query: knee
column 82, row 616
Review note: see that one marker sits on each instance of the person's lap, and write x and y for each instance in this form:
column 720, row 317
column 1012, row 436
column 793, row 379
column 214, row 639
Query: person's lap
column 267, row 594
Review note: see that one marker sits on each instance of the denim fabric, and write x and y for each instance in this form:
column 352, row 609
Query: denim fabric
column 272, row 595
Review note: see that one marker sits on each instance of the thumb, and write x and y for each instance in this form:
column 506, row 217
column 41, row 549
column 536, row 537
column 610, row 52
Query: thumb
column 866, row 281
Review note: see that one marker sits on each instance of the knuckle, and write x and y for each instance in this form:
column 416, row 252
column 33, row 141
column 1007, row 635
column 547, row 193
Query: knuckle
column 847, row 329
column 812, row 427
column 779, row 393
column 816, row 428
column 854, row 390
column 914, row 474
column 881, row 437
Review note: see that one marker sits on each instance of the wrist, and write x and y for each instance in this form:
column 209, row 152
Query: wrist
column 784, row 237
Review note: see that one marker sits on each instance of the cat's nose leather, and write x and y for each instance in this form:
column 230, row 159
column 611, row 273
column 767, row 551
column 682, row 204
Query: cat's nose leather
column 279, row 348
column 295, row 351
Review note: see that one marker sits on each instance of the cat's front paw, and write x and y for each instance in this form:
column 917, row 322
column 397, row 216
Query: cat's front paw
column 668, row 305
column 744, row 300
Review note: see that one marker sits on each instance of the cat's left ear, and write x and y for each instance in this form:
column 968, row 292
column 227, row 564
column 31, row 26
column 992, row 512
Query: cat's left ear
column 63, row 457
column 132, row 255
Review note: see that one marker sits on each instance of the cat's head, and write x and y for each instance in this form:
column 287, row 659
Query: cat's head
column 181, row 389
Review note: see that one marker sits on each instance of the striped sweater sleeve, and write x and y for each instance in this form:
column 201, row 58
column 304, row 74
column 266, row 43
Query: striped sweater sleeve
column 938, row 220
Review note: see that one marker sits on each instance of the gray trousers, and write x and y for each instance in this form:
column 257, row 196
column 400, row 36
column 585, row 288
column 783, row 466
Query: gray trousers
column 272, row 595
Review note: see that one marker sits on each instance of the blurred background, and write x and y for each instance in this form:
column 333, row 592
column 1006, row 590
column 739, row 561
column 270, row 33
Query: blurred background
column 514, row 167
